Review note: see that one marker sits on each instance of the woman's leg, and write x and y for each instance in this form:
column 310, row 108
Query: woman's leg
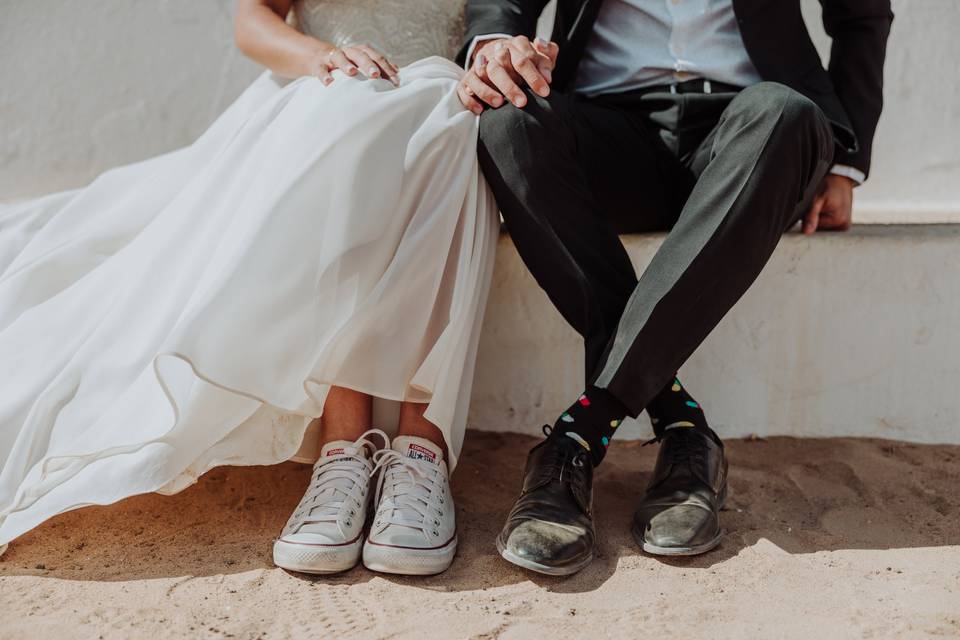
column 415, row 524
column 347, row 414
column 412, row 423
column 325, row 532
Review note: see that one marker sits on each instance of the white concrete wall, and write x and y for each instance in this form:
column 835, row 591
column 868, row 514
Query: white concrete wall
column 89, row 85
column 852, row 334
column 916, row 154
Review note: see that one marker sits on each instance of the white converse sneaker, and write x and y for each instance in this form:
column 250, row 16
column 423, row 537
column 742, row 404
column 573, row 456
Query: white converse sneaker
column 325, row 532
column 414, row 530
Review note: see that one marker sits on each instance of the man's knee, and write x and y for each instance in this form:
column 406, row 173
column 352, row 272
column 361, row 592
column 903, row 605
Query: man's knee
column 786, row 114
column 780, row 103
column 513, row 133
column 496, row 126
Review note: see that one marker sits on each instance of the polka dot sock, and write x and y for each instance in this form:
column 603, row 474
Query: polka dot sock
column 591, row 421
column 674, row 407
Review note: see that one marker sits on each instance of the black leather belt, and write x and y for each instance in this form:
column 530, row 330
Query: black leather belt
column 697, row 85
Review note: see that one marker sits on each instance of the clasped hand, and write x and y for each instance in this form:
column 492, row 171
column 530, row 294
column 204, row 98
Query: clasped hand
column 499, row 68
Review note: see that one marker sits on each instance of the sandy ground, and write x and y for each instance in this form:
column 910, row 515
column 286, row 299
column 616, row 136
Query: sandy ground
column 827, row 538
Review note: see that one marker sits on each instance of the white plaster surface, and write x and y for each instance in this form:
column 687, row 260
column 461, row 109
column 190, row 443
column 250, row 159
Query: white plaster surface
column 916, row 154
column 90, row 85
column 86, row 86
column 854, row 334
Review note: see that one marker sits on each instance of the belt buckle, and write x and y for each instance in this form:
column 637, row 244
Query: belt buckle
column 705, row 87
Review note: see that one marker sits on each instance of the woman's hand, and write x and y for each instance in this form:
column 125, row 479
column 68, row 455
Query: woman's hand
column 354, row 59
column 261, row 32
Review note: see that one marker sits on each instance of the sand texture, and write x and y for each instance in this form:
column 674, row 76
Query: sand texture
column 836, row 538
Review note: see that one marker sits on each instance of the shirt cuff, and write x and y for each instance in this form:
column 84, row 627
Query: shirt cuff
column 849, row 172
column 477, row 41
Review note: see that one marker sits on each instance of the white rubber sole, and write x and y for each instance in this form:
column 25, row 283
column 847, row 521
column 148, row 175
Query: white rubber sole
column 407, row 561
column 316, row 558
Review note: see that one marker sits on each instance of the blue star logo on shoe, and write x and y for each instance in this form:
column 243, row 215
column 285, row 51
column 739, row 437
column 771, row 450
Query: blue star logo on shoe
column 583, row 443
column 566, row 417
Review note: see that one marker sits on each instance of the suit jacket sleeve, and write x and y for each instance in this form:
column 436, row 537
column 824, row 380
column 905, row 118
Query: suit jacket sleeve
column 516, row 17
column 859, row 29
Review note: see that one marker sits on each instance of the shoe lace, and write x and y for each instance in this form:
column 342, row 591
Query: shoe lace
column 407, row 493
column 560, row 455
column 683, row 446
column 337, row 487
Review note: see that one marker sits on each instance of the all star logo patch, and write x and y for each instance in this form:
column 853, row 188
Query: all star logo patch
column 417, row 452
column 335, row 452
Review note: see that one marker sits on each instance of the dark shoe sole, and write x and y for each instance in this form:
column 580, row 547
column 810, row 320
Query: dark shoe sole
column 547, row 570
column 676, row 551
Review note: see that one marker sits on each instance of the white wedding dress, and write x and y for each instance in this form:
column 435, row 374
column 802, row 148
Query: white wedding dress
column 192, row 310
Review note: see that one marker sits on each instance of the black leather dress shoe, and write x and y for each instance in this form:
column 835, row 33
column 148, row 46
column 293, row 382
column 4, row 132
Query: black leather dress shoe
column 680, row 513
column 550, row 529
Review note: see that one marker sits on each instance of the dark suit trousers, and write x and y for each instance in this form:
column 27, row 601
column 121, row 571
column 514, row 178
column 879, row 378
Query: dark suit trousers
column 726, row 173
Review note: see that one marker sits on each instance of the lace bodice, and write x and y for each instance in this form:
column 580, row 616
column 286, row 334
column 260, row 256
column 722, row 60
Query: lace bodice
column 405, row 30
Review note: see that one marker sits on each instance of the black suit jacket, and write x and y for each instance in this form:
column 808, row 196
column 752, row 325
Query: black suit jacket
column 850, row 92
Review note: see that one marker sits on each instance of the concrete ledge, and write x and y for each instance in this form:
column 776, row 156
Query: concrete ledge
column 854, row 334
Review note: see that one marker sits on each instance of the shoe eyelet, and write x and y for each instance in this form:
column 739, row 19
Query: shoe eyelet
column 349, row 523
column 436, row 522
column 435, row 532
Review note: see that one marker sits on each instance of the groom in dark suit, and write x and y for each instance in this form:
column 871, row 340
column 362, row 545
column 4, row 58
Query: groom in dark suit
column 713, row 119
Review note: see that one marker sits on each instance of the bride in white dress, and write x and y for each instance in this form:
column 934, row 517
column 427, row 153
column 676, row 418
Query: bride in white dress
column 329, row 239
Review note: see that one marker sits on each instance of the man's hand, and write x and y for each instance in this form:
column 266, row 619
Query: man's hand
column 832, row 208
column 499, row 68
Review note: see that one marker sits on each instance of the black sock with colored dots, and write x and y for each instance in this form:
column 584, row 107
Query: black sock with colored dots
column 592, row 421
column 674, row 407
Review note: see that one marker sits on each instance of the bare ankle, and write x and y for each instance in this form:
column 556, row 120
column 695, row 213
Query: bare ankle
column 347, row 414
column 412, row 423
